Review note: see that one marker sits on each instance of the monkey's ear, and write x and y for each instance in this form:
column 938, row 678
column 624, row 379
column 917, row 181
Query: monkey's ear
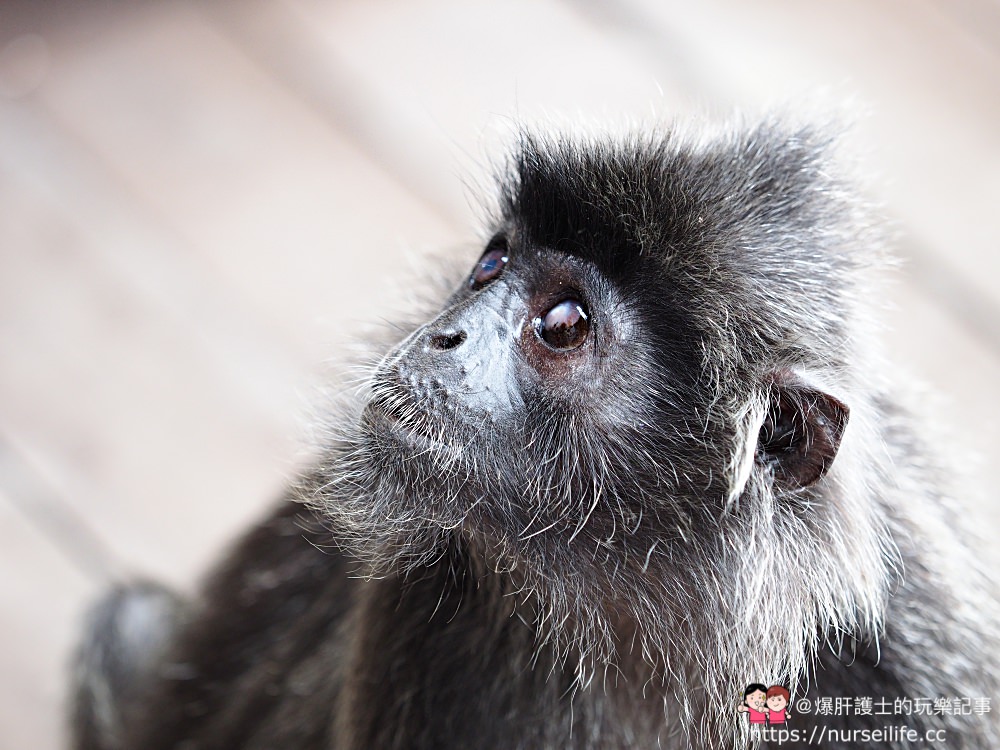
column 801, row 432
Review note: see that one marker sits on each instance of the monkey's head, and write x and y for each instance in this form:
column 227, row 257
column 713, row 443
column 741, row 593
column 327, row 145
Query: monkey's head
column 635, row 398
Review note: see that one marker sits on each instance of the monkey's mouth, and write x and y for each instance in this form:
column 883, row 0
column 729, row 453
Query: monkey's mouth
column 407, row 426
column 384, row 411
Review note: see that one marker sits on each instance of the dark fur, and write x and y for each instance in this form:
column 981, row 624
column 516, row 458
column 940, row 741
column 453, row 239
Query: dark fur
column 607, row 561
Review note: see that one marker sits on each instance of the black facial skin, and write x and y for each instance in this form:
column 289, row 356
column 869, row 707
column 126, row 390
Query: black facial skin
column 641, row 455
column 452, row 374
column 506, row 335
column 537, row 340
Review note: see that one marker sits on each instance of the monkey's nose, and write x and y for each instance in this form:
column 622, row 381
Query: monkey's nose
column 443, row 342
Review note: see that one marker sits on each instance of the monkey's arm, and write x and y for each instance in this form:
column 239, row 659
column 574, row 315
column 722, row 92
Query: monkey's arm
column 126, row 634
column 256, row 654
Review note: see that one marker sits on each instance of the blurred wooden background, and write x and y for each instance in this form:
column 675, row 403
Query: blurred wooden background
column 199, row 200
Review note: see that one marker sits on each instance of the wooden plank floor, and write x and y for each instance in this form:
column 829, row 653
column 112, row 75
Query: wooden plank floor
column 200, row 202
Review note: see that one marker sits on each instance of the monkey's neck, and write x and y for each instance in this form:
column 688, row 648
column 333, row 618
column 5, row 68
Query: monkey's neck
column 449, row 656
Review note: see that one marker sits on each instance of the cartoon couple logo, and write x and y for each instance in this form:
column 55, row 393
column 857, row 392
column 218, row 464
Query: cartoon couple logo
column 765, row 705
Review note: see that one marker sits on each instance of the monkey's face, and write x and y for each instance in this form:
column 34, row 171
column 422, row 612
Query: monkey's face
column 540, row 398
column 527, row 338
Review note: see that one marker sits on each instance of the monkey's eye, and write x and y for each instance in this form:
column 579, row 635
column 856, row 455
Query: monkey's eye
column 565, row 326
column 490, row 265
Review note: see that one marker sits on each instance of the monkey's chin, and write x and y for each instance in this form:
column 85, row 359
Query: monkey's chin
column 420, row 487
column 408, row 435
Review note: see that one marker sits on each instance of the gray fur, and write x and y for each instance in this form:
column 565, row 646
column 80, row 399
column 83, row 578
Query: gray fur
column 607, row 563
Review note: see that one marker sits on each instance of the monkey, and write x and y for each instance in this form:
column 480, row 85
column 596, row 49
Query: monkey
column 649, row 451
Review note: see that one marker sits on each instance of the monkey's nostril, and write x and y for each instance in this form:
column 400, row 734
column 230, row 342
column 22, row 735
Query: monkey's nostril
column 444, row 342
